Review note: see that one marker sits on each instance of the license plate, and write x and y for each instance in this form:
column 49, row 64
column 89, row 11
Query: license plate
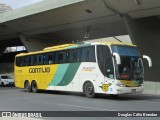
column 133, row 90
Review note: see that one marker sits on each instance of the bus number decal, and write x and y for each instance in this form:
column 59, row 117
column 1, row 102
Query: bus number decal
column 105, row 87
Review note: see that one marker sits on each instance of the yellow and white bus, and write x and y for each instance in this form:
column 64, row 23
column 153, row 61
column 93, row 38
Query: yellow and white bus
column 104, row 67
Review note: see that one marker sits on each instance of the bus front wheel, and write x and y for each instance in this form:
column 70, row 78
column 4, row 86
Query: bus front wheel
column 27, row 86
column 2, row 84
column 34, row 87
column 88, row 90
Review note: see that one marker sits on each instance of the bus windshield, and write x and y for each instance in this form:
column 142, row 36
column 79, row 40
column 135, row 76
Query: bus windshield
column 131, row 67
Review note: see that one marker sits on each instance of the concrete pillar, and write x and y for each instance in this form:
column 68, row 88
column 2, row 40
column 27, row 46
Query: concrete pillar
column 2, row 50
column 32, row 45
column 6, row 68
column 145, row 33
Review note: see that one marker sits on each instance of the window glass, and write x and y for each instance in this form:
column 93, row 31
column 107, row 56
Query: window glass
column 84, row 56
column 72, row 55
column 78, row 54
column 105, row 61
column 100, row 54
column 19, row 61
column 91, row 54
column 29, row 60
column 35, row 60
column 125, row 50
column 61, row 57
column 6, row 77
column 50, row 58
column 40, row 60
column 45, row 59
column 64, row 57
column 54, row 57
column 24, row 61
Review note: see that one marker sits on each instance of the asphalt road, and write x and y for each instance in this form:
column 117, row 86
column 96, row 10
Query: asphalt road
column 14, row 99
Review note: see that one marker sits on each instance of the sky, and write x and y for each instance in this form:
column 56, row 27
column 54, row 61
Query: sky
column 15, row 4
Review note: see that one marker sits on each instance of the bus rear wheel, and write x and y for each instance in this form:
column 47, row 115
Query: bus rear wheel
column 27, row 86
column 34, row 87
column 89, row 90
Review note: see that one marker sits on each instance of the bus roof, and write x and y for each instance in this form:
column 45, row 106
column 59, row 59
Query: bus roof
column 76, row 45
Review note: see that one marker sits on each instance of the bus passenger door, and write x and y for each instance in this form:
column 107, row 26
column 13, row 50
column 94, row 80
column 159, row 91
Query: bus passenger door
column 105, row 63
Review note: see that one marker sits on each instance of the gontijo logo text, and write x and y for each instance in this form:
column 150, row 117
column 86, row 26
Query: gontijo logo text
column 39, row 70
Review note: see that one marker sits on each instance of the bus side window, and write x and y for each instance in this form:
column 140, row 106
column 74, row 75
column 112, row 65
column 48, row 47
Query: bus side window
column 65, row 57
column 54, row 57
column 108, row 61
column 105, row 61
column 100, row 58
column 24, row 61
column 19, row 61
column 84, row 56
column 32, row 61
column 78, row 54
column 50, row 58
column 68, row 56
column 72, row 56
column 29, row 60
column 35, row 60
column 39, row 60
column 91, row 54
column 45, row 58
column 62, row 57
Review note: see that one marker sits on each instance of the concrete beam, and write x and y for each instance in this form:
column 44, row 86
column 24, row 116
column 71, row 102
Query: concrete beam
column 43, row 6
column 38, row 43
column 32, row 45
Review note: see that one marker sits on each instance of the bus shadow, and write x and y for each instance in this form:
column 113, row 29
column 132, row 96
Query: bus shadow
column 49, row 92
column 126, row 97
column 7, row 87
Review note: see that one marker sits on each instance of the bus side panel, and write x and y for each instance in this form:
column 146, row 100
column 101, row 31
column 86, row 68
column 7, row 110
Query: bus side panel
column 75, row 84
column 18, row 77
column 18, row 81
column 64, row 77
column 43, row 79
column 89, row 71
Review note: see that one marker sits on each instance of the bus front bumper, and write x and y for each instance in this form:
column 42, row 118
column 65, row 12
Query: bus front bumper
column 129, row 90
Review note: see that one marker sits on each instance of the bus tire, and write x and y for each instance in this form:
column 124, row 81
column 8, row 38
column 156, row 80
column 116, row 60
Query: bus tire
column 88, row 90
column 2, row 84
column 27, row 86
column 34, row 87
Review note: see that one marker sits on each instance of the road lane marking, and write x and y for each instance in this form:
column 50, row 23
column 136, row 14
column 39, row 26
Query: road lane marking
column 147, row 101
column 87, row 107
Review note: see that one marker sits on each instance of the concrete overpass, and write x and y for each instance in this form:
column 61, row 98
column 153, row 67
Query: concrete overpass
column 55, row 22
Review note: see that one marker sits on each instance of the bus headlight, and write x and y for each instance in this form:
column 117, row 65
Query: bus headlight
column 120, row 85
column 141, row 84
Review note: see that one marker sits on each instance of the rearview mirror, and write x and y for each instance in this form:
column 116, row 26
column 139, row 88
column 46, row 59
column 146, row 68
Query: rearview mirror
column 118, row 59
column 148, row 59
